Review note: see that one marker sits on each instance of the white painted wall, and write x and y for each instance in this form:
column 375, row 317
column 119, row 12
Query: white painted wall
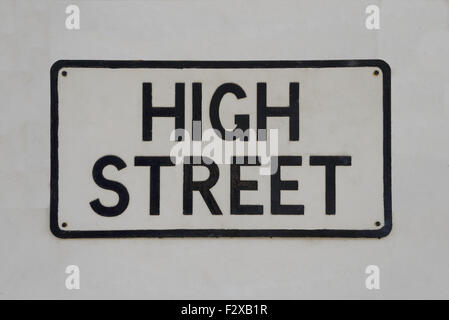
column 413, row 259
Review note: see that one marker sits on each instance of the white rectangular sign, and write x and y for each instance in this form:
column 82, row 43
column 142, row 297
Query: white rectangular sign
column 220, row 148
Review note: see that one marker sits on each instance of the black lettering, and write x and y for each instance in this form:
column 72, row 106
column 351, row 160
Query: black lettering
column 155, row 163
column 202, row 186
column 148, row 111
column 277, row 185
column 241, row 120
column 292, row 111
column 237, row 185
column 330, row 162
column 117, row 187
column 197, row 96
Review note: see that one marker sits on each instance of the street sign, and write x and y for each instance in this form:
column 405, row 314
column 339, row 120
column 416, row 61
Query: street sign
column 220, row 149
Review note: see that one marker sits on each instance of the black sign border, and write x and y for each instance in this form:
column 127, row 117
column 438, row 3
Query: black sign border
column 179, row 233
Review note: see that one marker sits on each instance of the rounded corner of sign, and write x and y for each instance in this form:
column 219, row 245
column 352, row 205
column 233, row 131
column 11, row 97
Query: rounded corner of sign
column 57, row 66
column 383, row 65
column 58, row 232
column 384, row 231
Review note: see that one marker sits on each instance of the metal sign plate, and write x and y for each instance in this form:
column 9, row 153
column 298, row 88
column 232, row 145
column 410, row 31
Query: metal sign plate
column 324, row 173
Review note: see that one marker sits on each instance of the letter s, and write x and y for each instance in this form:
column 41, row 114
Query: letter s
column 101, row 181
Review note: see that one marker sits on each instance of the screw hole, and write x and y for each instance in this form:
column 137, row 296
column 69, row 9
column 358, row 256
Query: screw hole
column 64, row 73
column 376, row 72
column 64, row 225
column 378, row 224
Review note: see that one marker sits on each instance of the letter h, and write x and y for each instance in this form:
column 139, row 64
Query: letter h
column 292, row 111
column 148, row 111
